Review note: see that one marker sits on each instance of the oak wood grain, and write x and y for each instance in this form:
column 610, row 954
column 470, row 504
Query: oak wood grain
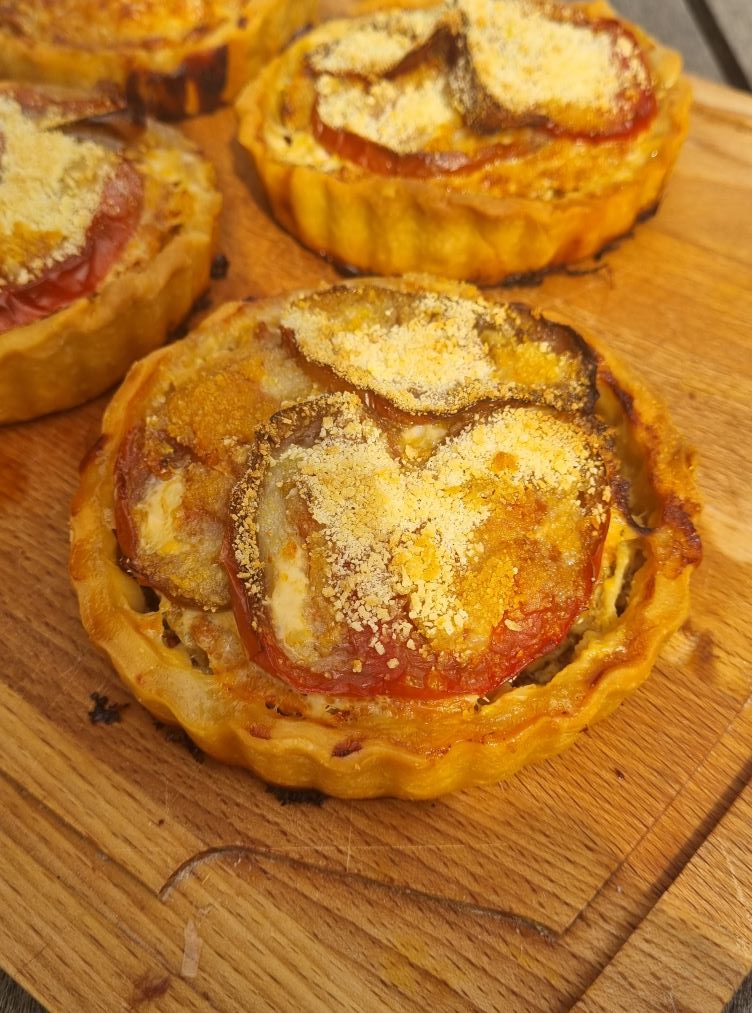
column 704, row 920
column 206, row 892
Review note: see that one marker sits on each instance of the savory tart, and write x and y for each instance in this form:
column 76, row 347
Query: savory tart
column 176, row 58
column 387, row 538
column 108, row 229
column 475, row 140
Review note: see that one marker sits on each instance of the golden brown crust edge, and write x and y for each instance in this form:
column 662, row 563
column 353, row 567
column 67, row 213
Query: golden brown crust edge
column 529, row 723
column 395, row 225
column 178, row 79
column 81, row 350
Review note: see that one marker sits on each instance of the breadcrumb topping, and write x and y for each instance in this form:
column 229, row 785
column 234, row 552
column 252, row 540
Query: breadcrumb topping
column 517, row 61
column 404, row 114
column 531, row 60
column 375, row 45
column 399, row 540
column 51, row 185
column 432, row 352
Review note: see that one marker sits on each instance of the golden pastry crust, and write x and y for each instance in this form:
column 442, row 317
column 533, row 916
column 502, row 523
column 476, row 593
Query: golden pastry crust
column 187, row 665
column 79, row 350
column 176, row 59
column 564, row 199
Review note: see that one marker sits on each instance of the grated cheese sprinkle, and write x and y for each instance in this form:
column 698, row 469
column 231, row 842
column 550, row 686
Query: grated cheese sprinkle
column 404, row 114
column 375, row 45
column 530, row 57
column 397, row 534
column 51, row 185
column 433, row 352
column 530, row 61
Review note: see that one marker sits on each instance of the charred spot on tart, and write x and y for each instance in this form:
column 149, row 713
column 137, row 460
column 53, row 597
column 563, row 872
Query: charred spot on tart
column 103, row 712
column 364, row 572
column 173, row 733
column 437, row 354
column 347, row 748
column 220, row 265
column 195, row 86
column 297, row 796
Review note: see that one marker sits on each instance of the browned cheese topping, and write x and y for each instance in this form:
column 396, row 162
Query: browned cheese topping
column 435, row 353
column 51, row 185
column 346, row 535
column 532, row 61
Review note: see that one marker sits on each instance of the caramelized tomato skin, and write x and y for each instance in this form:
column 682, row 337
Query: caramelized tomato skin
column 416, row 677
column 383, row 161
column 112, row 226
column 129, row 474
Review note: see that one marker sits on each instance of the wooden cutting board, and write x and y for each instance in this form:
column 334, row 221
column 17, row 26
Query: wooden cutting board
column 133, row 876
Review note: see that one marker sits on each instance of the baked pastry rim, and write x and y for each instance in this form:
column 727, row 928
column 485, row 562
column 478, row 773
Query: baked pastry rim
column 239, row 47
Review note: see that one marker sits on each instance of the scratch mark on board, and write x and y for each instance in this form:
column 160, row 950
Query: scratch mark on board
column 741, row 896
column 349, row 839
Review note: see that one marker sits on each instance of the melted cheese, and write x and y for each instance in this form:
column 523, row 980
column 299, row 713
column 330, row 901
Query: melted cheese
column 289, row 599
column 157, row 515
column 51, row 185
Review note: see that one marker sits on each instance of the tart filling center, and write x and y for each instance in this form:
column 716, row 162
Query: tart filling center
column 365, row 571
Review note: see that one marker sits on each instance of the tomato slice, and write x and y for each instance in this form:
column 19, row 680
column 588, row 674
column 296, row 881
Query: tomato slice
column 490, row 106
column 170, row 526
column 419, row 164
column 112, row 226
column 56, row 107
column 511, row 559
column 485, row 113
column 174, row 473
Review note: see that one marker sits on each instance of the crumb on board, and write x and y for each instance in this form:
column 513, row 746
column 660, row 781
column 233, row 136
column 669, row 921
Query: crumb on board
column 103, row 712
column 219, row 267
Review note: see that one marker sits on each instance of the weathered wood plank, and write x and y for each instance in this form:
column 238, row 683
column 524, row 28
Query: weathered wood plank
column 671, row 22
column 734, row 18
column 695, row 946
